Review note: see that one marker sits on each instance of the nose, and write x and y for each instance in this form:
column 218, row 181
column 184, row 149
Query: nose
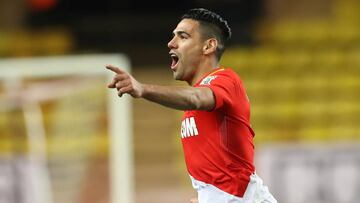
column 172, row 44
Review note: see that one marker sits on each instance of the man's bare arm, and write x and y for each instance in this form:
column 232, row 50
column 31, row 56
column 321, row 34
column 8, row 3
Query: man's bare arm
column 182, row 98
column 179, row 97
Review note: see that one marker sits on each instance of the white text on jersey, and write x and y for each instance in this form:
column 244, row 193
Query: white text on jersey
column 188, row 127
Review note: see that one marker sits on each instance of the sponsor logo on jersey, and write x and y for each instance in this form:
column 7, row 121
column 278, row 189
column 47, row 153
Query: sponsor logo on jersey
column 188, row 127
column 207, row 80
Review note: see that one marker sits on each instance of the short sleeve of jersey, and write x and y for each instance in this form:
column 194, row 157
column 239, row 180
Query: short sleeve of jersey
column 223, row 87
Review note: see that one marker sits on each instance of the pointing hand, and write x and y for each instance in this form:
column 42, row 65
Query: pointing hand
column 125, row 83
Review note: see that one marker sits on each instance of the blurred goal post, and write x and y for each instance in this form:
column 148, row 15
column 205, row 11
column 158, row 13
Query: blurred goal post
column 119, row 118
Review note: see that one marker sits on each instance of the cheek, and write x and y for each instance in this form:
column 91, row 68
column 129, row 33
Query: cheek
column 193, row 56
column 193, row 52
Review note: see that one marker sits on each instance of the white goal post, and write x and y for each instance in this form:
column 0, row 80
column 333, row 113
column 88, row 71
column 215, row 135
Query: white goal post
column 12, row 74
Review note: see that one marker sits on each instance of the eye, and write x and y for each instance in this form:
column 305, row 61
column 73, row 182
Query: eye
column 183, row 37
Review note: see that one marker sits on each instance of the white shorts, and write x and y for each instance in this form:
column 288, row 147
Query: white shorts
column 255, row 192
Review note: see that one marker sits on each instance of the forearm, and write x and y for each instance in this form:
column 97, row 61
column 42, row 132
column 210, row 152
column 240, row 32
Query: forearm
column 179, row 97
column 182, row 98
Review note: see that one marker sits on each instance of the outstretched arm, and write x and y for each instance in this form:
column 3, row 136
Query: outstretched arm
column 182, row 98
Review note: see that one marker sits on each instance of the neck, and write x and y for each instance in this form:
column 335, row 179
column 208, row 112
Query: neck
column 203, row 69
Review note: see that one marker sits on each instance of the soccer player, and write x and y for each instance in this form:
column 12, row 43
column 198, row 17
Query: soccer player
column 215, row 131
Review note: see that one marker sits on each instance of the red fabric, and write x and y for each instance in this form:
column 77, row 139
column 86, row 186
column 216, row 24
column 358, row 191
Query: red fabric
column 218, row 144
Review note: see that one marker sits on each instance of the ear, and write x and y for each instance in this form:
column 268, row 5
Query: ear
column 210, row 46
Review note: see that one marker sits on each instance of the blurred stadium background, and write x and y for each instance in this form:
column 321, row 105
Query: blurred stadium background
column 300, row 62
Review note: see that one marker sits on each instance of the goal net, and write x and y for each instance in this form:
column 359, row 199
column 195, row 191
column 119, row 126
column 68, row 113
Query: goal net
column 64, row 137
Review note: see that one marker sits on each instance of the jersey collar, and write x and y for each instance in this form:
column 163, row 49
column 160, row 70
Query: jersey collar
column 216, row 70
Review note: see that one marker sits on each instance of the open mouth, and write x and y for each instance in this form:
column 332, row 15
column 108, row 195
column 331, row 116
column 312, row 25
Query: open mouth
column 174, row 60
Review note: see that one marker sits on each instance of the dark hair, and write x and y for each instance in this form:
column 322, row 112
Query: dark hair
column 212, row 25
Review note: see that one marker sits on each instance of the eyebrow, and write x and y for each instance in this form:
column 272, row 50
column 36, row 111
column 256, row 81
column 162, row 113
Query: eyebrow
column 180, row 33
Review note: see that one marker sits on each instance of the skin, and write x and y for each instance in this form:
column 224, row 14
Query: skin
column 196, row 57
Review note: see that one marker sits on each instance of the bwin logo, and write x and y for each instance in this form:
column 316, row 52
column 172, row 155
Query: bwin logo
column 188, row 127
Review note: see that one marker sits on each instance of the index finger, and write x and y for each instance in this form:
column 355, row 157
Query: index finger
column 114, row 69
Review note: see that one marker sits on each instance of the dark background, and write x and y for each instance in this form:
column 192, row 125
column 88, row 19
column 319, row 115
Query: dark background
column 139, row 27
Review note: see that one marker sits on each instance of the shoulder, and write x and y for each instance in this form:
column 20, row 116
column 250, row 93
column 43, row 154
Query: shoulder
column 228, row 74
column 229, row 79
column 231, row 72
column 221, row 76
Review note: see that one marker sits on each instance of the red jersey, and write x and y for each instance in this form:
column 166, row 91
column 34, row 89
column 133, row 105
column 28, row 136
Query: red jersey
column 218, row 144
